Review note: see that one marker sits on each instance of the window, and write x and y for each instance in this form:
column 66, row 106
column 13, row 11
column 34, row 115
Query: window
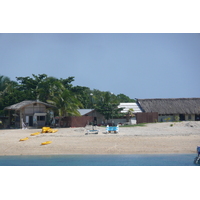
column 189, row 117
column 40, row 118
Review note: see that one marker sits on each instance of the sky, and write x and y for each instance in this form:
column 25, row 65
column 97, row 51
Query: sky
column 139, row 65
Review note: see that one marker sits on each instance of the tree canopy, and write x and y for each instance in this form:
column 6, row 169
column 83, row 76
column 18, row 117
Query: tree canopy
column 60, row 92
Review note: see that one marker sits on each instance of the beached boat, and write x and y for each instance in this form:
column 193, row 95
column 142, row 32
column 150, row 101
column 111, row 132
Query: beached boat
column 37, row 133
column 90, row 129
column 49, row 130
column 197, row 159
column 198, row 151
column 47, row 142
column 24, row 139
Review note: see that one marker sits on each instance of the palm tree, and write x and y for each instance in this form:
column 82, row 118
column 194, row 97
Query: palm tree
column 129, row 114
column 4, row 84
column 49, row 87
column 66, row 103
column 8, row 93
column 7, row 86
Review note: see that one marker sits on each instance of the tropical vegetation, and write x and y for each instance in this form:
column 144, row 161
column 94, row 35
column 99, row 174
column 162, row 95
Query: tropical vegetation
column 59, row 92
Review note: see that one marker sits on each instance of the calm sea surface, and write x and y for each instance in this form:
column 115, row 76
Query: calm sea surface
column 101, row 160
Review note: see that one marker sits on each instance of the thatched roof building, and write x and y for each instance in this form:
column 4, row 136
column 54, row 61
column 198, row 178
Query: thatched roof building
column 32, row 113
column 25, row 103
column 190, row 106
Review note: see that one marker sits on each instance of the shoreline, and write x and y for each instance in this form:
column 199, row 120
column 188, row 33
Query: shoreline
column 47, row 155
column 156, row 138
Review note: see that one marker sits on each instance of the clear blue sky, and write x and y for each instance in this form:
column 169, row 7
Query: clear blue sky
column 138, row 65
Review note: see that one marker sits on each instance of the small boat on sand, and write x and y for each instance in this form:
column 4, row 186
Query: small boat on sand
column 24, row 139
column 47, row 142
column 198, row 151
column 49, row 130
column 37, row 133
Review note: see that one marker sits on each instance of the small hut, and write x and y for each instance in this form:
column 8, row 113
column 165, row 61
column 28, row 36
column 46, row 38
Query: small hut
column 30, row 113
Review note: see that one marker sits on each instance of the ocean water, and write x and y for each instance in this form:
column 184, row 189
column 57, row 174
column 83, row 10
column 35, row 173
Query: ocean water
column 101, row 160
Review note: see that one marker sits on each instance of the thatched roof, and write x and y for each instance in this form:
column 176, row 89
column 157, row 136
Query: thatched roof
column 171, row 106
column 22, row 104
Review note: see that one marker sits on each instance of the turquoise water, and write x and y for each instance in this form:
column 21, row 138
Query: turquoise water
column 100, row 160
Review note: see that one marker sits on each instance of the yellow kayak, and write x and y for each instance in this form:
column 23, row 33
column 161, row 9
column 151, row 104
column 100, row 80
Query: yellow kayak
column 49, row 130
column 37, row 133
column 24, row 139
column 47, row 142
column 45, row 129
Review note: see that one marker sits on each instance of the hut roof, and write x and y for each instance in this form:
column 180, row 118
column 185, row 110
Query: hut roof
column 22, row 104
column 171, row 106
column 85, row 111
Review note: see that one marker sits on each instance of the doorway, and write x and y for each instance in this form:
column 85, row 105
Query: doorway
column 182, row 117
column 197, row 117
column 30, row 122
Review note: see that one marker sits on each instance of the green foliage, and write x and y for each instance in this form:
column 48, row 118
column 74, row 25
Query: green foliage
column 32, row 86
column 9, row 93
column 4, row 82
column 83, row 95
column 167, row 119
column 67, row 82
column 66, row 103
column 177, row 118
column 122, row 98
column 43, row 87
column 129, row 114
column 60, row 92
column 107, row 104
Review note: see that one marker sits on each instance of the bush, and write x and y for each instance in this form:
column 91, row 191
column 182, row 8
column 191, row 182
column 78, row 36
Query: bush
column 176, row 118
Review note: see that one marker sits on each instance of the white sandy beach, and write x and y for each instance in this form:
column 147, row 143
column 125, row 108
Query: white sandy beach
column 157, row 138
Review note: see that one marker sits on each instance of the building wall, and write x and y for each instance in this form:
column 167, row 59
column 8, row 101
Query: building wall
column 116, row 121
column 150, row 117
column 133, row 120
column 3, row 122
column 122, row 121
column 31, row 109
column 80, row 121
column 171, row 118
column 28, row 114
column 99, row 117
column 190, row 117
column 166, row 118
